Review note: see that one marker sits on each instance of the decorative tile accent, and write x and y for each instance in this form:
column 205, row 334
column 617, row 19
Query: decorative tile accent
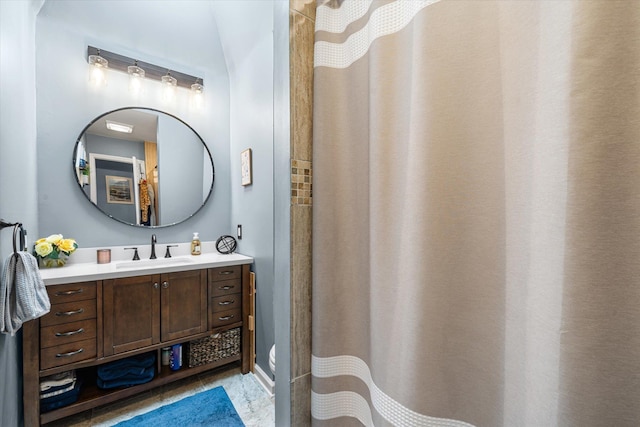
column 301, row 182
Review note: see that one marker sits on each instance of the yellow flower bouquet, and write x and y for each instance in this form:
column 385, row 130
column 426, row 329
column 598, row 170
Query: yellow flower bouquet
column 54, row 250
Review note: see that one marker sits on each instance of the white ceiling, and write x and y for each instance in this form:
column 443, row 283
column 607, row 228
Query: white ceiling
column 145, row 125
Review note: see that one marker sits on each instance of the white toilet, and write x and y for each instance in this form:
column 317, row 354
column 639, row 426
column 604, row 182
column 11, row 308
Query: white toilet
column 272, row 359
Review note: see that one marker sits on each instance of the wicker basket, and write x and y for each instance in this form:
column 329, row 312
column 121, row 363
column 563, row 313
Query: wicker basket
column 210, row 349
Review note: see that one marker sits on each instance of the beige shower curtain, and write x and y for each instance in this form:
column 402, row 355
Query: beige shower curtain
column 476, row 226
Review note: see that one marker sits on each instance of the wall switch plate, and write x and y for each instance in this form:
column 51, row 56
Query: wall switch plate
column 239, row 232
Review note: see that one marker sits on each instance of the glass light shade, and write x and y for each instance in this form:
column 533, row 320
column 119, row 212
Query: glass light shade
column 197, row 97
column 169, row 84
column 98, row 65
column 197, row 88
column 136, row 76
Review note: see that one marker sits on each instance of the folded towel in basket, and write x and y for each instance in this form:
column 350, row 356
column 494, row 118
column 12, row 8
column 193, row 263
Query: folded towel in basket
column 23, row 295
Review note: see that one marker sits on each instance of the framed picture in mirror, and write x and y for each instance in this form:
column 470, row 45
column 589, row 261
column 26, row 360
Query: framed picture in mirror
column 245, row 157
column 119, row 189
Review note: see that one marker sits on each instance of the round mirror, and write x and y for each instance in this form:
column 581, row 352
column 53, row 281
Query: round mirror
column 143, row 167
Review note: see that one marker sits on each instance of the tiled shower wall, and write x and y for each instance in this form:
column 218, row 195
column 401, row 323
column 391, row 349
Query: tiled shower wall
column 302, row 15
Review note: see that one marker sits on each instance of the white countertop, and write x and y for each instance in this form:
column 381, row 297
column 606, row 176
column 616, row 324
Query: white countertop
column 83, row 266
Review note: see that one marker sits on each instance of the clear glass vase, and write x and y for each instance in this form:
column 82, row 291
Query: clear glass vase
column 49, row 262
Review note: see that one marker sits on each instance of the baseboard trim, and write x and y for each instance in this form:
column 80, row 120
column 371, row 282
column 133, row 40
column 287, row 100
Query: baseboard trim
column 264, row 380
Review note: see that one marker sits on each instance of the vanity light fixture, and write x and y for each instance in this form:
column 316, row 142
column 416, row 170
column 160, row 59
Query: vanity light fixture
column 136, row 77
column 132, row 66
column 98, row 75
column 119, row 127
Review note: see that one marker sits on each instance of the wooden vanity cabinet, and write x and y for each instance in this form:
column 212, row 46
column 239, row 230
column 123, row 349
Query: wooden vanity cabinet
column 145, row 310
column 131, row 313
column 92, row 323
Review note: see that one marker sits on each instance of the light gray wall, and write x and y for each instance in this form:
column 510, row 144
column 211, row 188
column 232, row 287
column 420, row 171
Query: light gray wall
column 252, row 206
column 251, row 79
column 178, row 146
column 282, row 217
column 66, row 103
column 18, row 189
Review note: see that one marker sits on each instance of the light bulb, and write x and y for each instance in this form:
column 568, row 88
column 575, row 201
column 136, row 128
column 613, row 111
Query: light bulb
column 169, row 84
column 98, row 76
column 136, row 77
column 197, row 96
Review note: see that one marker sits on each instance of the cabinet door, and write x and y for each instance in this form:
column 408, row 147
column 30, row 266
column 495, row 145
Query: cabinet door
column 184, row 304
column 131, row 313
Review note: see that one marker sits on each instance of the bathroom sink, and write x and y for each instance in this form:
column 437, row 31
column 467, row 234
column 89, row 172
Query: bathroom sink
column 160, row 262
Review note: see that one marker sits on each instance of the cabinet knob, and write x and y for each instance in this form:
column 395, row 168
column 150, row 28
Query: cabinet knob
column 156, row 285
column 165, row 285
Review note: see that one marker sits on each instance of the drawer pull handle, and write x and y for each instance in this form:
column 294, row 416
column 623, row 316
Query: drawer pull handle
column 71, row 292
column 67, row 334
column 225, row 273
column 226, row 317
column 70, row 313
column 71, row 353
column 226, row 288
column 226, row 302
column 165, row 285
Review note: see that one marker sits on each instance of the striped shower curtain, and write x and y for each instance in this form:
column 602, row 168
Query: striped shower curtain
column 476, row 224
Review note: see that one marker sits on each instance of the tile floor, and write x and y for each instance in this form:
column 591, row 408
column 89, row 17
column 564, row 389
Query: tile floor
column 251, row 400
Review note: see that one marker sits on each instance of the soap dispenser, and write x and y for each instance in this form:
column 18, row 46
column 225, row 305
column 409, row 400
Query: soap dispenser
column 195, row 245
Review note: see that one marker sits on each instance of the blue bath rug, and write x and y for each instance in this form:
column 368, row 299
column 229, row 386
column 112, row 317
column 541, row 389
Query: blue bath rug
column 208, row 408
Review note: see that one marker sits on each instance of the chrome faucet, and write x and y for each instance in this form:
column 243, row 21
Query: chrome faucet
column 153, row 247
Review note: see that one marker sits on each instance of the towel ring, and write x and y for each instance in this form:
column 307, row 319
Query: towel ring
column 15, row 237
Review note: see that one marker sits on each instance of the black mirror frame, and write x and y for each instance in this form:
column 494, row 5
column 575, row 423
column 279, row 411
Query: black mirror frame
column 75, row 152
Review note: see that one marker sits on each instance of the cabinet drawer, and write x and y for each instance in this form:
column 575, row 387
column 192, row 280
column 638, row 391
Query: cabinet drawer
column 226, row 287
column 226, row 317
column 59, row 294
column 226, row 302
column 225, row 273
column 67, row 353
column 69, row 312
column 67, row 333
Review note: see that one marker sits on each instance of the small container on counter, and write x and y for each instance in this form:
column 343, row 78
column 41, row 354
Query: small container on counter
column 103, row 256
column 196, row 248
